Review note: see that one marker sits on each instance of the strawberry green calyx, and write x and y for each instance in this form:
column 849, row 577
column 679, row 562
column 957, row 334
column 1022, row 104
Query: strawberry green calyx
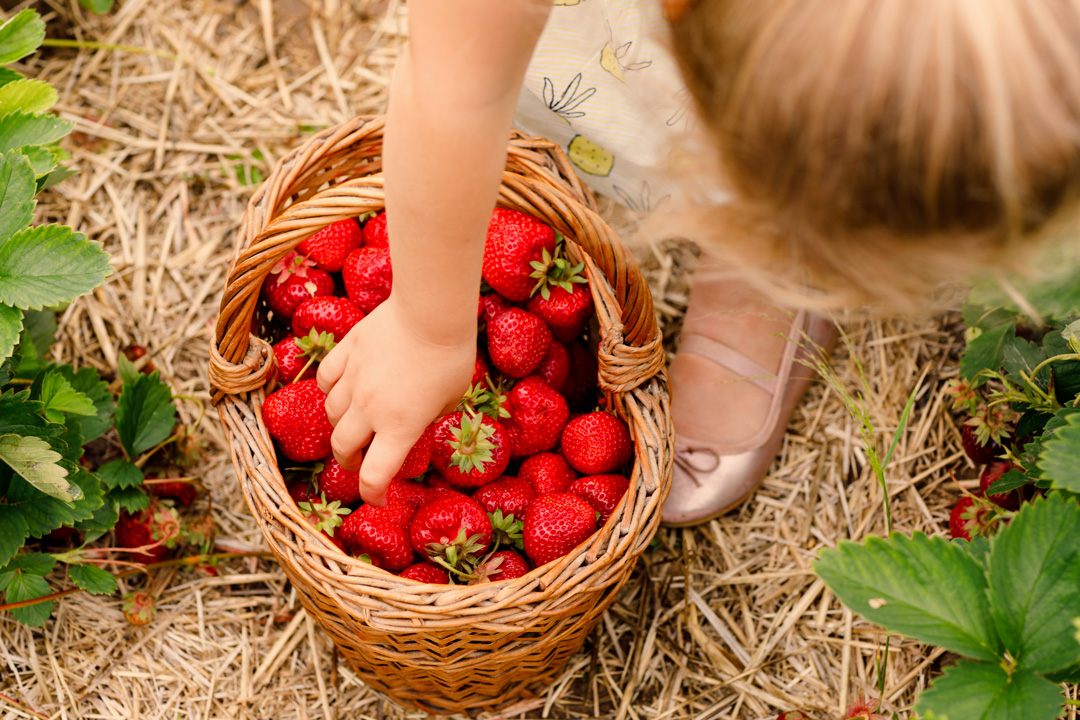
column 506, row 530
column 325, row 516
column 963, row 395
column 488, row 398
column 555, row 271
column 138, row 608
column 993, row 423
column 460, row 556
column 315, row 345
column 166, row 527
column 472, row 444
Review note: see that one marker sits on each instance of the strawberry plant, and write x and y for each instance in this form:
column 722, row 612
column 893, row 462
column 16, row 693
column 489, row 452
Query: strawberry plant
column 49, row 487
column 1004, row 594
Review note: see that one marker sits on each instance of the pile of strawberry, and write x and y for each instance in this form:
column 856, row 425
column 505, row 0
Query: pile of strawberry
column 983, row 436
column 522, row 473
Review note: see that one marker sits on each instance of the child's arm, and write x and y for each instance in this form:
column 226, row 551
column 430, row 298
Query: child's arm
column 452, row 101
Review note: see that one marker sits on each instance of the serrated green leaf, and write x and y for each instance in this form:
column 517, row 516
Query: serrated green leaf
column 981, row 691
column 11, row 321
column 103, row 520
column 7, row 75
column 60, row 398
column 89, row 383
column 1031, row 423
column 42, row 159
column 978, row 548
column 19, row 129
column 92, row 579
column 40, row 330
column 1034, row 575
column 20, row 36
column 17, row 190
column 19, row 415
column 31, row 96
column 38, row 464
column 126, row 370
column 7, row 367
column 921, row 587
column 48, row 265
column 56, row 176
column 1011, row 480
column 1021, row 358
column 986, row 350
column 13, row 532
column 34, row 563
column 145, row 414
column 120, row 474
column 43, row 513
column 131, row 499
column 1059, row 461
column 26, row 586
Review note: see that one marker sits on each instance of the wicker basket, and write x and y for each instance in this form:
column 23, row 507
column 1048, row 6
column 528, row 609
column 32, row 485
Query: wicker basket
column 442, row 648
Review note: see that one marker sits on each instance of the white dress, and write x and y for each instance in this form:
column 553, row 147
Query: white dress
column 603, row 84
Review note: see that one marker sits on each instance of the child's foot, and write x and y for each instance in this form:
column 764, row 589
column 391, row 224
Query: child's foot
column 735, row 382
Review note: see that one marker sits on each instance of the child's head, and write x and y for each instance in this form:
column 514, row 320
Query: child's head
column 883, row 146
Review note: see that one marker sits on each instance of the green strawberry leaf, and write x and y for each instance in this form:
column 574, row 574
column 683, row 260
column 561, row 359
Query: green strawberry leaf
column 19, row 129
column 1031, row 422
column 90, row 384
column 40, row 330
column 33, row 562
column 31, row 96
column 126, row 370
column 925, row 588
column 120, row 474
column 48, row 265
column 36, row 461
column 93, row 579
column 978, row 548
column 43, row 513
column 60, row 398
column 100, row 7
column 20, row 36
column 1011, row 480
column 982, row 691
column 43, row 160
column 11, row 323
column 58, row 175
column 1060, row 458
column 103, row 520
column 7, row 75
column 21, row 416
column 1021, row 358
column 145, row 414
column 17, row 187
column 27, row 586
column 1034, row 577
column 131, row 499
column 7, row 367
column 986, row 350
column 13, row 532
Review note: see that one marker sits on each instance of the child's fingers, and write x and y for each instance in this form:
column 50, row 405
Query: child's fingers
column 331, row 369
column 381, row 462
column 350, row 436
column 337, row 403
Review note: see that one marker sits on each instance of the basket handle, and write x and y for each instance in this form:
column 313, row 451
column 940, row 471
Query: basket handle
column 242, row 362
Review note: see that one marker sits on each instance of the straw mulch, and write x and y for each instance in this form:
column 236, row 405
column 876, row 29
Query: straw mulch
column 722, row 621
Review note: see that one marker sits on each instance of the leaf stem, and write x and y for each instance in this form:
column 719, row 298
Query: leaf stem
column 92, row 45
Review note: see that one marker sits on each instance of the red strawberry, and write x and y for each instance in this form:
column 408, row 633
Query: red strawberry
column 329, row 246
column 381, row 534
column 368, row 277
column 181, row 491
column 970, row 517
column 491, row 305
column 480, row 370
column 517, row 342
column 138, row 608
column 547, row 473
column 509, row 494
column 979, row 452
column 292, row 281
column 603, row 492
column 295, row 416
column 157, row 525
column 337, row 483
column 325, row 516
column 303, row 491
column 375, row 235
column 514, row 241
column 451, row 530
column 862, row 708
column 538, row 415
column 296, row 355
column 597, row 443
column 991, row 473
column 134, row 353
column 503, row 565
column 331, row 315
column 556, row 524
column 582, row 385
column 409, row 492
column 419, row 457
column 426, row 573
column 566, row 312
column 554, row 369
column 793, row 715
column 470, row 450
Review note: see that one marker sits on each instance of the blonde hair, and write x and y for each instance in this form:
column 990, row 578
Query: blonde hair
column 877, row 148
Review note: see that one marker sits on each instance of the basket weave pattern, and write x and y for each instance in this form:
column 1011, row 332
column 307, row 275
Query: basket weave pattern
column 444, row 648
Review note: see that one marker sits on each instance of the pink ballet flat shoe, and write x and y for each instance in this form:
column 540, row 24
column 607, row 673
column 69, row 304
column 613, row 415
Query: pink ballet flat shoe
column 712, row 477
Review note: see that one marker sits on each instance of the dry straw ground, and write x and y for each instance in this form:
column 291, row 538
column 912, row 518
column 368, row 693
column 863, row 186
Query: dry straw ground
column 722, row 621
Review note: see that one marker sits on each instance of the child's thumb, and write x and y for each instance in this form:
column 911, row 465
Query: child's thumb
column 382, row 460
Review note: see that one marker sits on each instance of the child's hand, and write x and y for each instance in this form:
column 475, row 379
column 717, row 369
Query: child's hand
column 385, row 383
